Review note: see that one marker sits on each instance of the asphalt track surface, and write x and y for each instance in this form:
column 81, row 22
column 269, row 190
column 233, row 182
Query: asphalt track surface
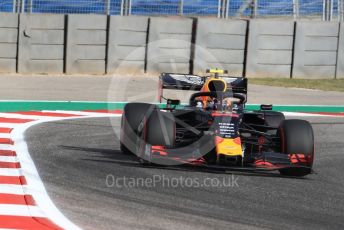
column 75, row 157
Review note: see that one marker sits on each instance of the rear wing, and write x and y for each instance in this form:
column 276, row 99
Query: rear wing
column 194, row 82
column 181, row 81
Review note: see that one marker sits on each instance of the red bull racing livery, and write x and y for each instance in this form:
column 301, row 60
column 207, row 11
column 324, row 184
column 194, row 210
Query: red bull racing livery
column 215, row 130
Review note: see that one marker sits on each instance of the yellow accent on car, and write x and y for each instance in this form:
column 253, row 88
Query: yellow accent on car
column 205, row 87
column 218, row 71
column 229, row 147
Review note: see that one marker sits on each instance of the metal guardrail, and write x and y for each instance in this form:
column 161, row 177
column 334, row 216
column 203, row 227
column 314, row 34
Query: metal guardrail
column 316, row 9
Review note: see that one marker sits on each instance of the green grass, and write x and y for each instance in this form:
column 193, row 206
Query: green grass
column 323, row 84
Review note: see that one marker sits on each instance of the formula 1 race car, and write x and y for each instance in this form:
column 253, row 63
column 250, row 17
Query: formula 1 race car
column 215, row 130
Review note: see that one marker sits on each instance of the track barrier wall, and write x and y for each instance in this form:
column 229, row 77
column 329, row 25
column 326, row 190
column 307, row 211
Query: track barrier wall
column 8, row 42
column 169, row 45
column 100, row 44
column 86, row 44
column 127, row 44
column 220, row 43
column 340, row 60
column 41, row 43
column 316, row 46
column 270, row 48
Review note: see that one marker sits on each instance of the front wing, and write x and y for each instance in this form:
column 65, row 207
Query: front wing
column 265, row 161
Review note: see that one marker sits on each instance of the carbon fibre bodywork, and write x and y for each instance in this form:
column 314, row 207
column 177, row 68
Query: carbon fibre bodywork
column 214, row 132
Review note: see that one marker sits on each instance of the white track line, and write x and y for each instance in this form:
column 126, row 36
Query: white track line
column 20, row 210
column 5, row 135
column 82, row 113
column 35, row 186
column 21, row 116
column 10, row 172
column 11, row 159
column 9, row 125
column 6, row 147
column 13, row 189
column 298, row 114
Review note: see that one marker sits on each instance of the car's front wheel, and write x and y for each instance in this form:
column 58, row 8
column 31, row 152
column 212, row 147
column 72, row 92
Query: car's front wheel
column 297, row 140
column 133, row 114
column 158, row 131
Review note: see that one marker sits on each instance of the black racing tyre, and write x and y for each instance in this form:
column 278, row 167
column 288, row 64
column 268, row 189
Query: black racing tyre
column 297, row 138
column 160, row 129
column 133, row 114
column 273, row 119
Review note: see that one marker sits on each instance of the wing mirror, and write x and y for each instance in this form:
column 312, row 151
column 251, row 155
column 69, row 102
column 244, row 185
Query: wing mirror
column 172, row 103
column 266, row 107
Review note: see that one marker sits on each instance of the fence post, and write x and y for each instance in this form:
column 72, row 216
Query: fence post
column 18, row 6
column 23, row 6
column 331, row 9
column 255, row 8
column 14, row 6
column 227, row 8
column 129, row 10
column 326, row 10
column 181, row 7
column 342, row 3
column 339, row 10
column 296, row 9
column 126, row 8
column 219, row 9
column 30, row 6
column 223, row 9
column 107, row 7
column 122, row 5
column 342, row 10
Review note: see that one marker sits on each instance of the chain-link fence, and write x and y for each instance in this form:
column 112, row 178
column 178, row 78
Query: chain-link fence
column 7, row 6
column 71, row 6
column 314, row 9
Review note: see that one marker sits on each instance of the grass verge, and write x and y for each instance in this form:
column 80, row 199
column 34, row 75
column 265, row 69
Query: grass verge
column 323, row 84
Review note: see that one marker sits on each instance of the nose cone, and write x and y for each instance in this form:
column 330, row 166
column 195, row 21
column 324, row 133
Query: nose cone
column 228, row 146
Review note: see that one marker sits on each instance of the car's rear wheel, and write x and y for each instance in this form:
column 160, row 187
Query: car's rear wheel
column 133, row 114
column 297, row 140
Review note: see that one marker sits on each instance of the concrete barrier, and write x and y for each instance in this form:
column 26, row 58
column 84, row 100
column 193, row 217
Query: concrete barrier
column 270, row 48
column 41, row 43
column 340, row 61
column 127, row 44
column 220, row 44
column 169, row 47
column 315, row 54
column 8, row 42
column 86, row 44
